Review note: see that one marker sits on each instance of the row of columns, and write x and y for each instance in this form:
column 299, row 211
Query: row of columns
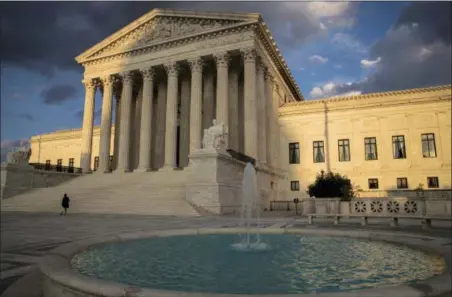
column 261, row 131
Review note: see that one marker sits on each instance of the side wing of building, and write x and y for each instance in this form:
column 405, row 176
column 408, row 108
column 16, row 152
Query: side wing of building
column 382, row 141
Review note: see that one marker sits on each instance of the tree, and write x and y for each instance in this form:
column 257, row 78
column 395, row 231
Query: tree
column 331, row 185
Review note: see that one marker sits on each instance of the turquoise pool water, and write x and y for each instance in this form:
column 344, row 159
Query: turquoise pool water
column 293, row 264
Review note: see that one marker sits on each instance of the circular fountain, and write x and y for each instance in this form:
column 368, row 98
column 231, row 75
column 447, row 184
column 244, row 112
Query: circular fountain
column 249, row 261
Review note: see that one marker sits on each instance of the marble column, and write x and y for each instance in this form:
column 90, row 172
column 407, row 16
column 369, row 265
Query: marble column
column 233, row 133
column 270, row 115
column 137, row 99
column 250, row 108
column 146, row 120
column 124, row 137
column 241, row 116
column 196, row 66
column 208, row 101
column 222, row 96
column 172, row 70
column 277, row 140
column 161, row 124
column 117, row 94
column 262, row 114
column 87, row 127
column 105, row 125
column 184, row 142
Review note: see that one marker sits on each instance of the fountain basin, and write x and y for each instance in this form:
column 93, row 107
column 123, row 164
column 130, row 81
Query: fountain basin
column 60, row 279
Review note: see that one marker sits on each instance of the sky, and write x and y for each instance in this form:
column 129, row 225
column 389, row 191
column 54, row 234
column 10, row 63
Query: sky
column 331, row 48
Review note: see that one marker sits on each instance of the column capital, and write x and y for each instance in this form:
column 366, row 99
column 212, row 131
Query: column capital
column 90, row 84
column 222, row 59
column 196, row 64
column 126, row 76
column 147, row 73
column 107, row 80
column 248, row 54
column 117, row 90
column 268, row 75
column 171, row 68
column 261, row 67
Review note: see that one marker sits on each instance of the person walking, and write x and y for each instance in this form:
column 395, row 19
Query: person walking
column 65, row 203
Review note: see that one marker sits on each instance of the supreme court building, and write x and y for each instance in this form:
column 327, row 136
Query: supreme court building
column 166, row 76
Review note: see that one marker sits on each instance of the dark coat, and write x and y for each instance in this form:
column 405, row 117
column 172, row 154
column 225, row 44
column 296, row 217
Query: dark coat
column 65, row 202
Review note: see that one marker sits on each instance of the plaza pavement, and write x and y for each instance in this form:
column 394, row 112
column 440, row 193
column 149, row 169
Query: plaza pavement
column 26, row 237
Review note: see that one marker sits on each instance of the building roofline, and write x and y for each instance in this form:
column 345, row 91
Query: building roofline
column 404, row 92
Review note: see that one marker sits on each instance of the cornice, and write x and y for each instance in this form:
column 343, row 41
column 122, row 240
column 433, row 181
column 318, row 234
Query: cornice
column 384, row 99
column 414, row 92
column 206, row 35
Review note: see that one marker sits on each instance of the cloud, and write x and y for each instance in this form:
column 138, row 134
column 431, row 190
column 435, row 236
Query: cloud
column 26, row 116
column 347, row 42
column 414, row 53
column 370, row 64
column 48, row 41
column 59, row 93
column 333, row 89
column 318, row 59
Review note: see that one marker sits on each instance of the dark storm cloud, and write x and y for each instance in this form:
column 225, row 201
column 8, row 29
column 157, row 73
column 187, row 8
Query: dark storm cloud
column 414, row 53
column 26, row 116
column 59, row 93
column 46, row 36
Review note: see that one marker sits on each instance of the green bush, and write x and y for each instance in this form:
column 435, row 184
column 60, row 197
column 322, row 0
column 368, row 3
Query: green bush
column 331, row 185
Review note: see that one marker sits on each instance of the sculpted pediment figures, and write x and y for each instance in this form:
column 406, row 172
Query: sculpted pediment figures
column 160, row 29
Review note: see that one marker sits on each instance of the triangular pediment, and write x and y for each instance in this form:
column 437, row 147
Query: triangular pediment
column 160, row 26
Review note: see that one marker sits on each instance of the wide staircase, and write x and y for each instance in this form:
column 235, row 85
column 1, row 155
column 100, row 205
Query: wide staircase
column 149, row 193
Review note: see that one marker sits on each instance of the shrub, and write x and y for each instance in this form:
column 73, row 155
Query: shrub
column 331, row 185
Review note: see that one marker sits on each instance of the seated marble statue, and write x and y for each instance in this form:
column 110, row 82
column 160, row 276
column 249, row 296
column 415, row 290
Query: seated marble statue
column 215, row 137
column 20, row 157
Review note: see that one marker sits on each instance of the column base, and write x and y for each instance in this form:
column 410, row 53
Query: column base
column 120, row 170
column 167, row 168
column 143, row 170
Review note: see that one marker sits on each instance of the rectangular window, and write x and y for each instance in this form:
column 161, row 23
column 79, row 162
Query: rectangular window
column 402, row 183
column 398, row 147
column 428, row 145
column 96, row 163
column 318, row 151
column 344, row 150
column 295, row 185
column 71, row 165
column 433, row 182
column 48, row 166
column 373, row 183
column 110, row 163
column 371, row 148
column 294, row 153
column 59, row 165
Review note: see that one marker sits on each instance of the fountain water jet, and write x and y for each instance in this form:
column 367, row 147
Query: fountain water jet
column 250, row 207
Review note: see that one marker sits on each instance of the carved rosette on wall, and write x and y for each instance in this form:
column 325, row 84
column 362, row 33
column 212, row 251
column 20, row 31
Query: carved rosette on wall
column 171, row 68
column 222, row 59
column 248, row 55
column 147, row 73
column 196, row 65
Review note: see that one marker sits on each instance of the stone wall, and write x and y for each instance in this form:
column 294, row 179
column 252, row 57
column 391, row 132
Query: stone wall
column 18, row 179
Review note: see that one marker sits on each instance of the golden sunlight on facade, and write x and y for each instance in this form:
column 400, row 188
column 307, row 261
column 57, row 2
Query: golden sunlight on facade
column 382, row 142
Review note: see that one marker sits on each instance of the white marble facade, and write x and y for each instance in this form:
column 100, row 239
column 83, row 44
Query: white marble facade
column 168, row 74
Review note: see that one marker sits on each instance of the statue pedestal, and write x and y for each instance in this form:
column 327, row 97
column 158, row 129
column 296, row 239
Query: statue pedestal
column 15, row 179
column 214, row 181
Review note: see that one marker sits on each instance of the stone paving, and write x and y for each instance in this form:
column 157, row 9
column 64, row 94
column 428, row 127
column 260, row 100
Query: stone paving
column 26, row 237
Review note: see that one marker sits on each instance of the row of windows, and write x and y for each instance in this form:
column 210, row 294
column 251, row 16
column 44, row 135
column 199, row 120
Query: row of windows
column 71, row 163
column 402, row 183
column 370, row 145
